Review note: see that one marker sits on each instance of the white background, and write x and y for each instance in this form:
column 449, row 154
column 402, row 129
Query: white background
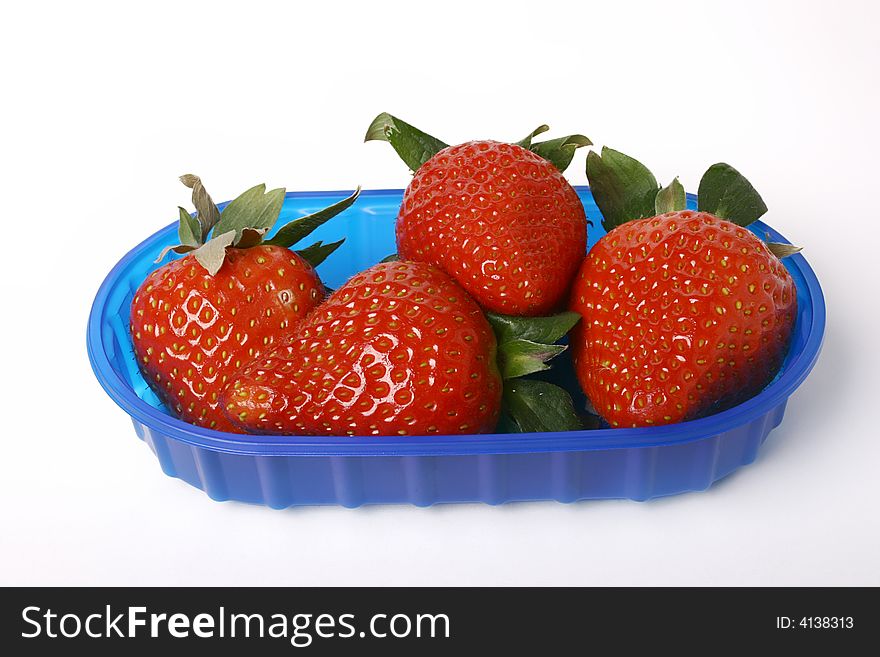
column 103, row 105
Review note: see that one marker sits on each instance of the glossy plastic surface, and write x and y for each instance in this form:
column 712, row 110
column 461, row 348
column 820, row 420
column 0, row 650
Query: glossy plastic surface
column 493, row 468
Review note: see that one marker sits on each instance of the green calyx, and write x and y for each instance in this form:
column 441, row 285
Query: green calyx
column 525, row 346
column 671, row 198
column 625, row 190
column 559, row 151
column 726, row 193
column 530, row 405
column 416, row 147
column 412, row 145
column 244, row 223
column 782, row 250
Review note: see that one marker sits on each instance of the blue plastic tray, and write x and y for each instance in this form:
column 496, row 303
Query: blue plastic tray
column 292, row 470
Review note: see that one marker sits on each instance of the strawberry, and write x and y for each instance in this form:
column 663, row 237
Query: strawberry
column 399, row 349
column 685, row 313
column 402, row 349
column 192, row 330
column 500, row 218
column 196, row 320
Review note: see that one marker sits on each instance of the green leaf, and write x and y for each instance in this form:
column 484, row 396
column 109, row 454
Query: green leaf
column 726, row 193
column 213, row 252
column 521, row 357
column 390, row 258
column 670, row 198
column 291, row 233
column 560, row 151
column 412, row 145
column 525, row 344
column 189, row 231
column 540, row 406
column 545, row 330
column 623, row 188
column 318, row 252
column 255, row 208
column 782, row 250
column 208, row 214
column 507, row 424
column 526, row 142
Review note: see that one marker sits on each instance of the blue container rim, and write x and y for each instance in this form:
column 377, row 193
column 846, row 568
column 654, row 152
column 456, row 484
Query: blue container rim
column 596, row 439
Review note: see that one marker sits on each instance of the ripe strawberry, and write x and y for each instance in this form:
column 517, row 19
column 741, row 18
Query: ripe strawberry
column 400, row 349
column 195, row 321
column 499, row 218
column 684, row 313
column 192, row 331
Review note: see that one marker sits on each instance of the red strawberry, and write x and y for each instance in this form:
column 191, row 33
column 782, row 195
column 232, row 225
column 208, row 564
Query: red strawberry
column 684, row 313
column 400, row 349
column 192, row 331
column 195, row 321
column 499, row 218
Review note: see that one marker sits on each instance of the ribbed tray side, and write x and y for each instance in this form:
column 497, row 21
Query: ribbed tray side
column 640, row 473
